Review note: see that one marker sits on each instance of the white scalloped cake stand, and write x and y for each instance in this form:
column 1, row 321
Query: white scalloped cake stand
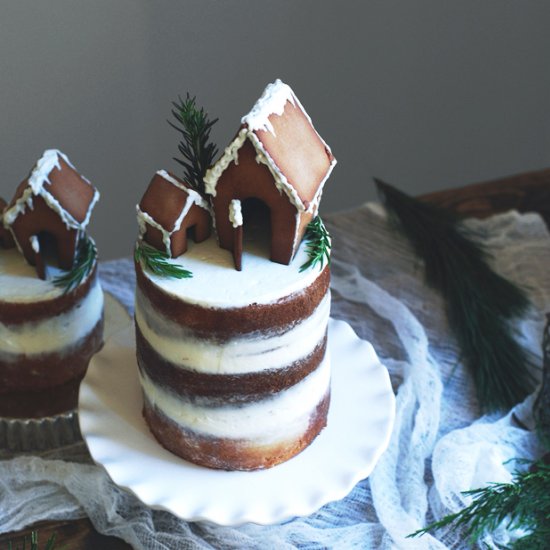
column 359, row 426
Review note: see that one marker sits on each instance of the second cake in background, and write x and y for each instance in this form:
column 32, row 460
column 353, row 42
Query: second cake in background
column 51, row 303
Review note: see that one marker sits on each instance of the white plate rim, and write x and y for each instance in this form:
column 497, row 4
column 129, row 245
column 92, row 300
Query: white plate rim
column 362, row 403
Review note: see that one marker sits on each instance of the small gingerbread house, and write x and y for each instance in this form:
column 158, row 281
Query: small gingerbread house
column 6, row 239
column 277, row 160
column 168, row 211
column 50, row 210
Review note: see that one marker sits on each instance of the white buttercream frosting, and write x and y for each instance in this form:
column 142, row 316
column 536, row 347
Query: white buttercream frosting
column 54, row 333
column 235, row 213
column 19, row 283
column 37, row 186
column 281, row 417
column 217, row 284
column 251, row 353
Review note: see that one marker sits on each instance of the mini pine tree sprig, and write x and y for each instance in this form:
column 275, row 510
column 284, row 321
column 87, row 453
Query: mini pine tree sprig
column 522, row 504
column 157, row 262
column 197, row 150
column 318, row 245
column 85, row 261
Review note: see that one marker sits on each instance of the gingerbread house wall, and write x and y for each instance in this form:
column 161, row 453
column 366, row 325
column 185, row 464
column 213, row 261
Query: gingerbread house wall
column 42, row 219
column 197, row 219
column 248, row 179
column 6, row 238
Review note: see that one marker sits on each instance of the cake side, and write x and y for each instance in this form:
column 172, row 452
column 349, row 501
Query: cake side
column 45, row 345
column 248, row 436
column 231, row 331
column 234, row 388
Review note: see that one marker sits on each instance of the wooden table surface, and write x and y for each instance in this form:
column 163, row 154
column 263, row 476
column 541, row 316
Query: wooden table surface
column 528, row 192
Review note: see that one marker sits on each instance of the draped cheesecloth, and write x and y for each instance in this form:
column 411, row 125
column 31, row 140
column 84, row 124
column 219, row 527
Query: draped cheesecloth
column 441, row 443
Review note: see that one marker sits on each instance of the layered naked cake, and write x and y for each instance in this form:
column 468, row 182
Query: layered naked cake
column 231, row 330
column 234, row 372
column 51, row 303
column 47, row 338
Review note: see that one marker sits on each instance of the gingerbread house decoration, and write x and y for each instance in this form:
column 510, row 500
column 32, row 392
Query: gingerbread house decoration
column 50, row 211
column 170, row 210
column 6, row 239
column 276, row 159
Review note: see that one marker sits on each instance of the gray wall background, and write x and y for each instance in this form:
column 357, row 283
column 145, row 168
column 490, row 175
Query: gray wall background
column 425, row 94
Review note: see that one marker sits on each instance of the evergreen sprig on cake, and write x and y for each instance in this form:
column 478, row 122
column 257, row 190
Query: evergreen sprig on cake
column 196, row 148
column 84, row 264
column 318, row 245
column 157, row 262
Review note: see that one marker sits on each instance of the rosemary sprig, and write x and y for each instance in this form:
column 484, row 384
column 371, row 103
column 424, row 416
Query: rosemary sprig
column 50, row 543
column 198, row 152
column 85, row 261
column 318, row 246
column 522, row 504
column 479, row 302
column 157, row 262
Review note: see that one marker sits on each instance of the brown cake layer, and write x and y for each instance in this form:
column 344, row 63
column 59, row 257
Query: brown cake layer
column 232, row 388
column 224, row 324
column 46, row 402
column 31, row 373
column 16, row 313
column 230, row 454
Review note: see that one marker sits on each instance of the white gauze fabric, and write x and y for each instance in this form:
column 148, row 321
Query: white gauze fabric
column 441, row 444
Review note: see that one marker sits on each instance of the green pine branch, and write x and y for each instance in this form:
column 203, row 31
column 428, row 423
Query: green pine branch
column 541, row 408
column 480, row 303
column 84, row 264
column 318, row 245
column 522, row 504
column 157, row 262
column 50, row 543
column 197, row 150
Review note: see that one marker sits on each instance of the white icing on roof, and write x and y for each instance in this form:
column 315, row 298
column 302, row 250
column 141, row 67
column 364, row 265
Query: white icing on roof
column 144, row 219
column 196, row 197
column 36, row 186
column 272, row 102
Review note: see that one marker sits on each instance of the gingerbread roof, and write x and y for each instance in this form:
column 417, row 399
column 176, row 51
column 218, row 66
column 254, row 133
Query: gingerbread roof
column 287, row 143
column 166, row 202
column 62, row 188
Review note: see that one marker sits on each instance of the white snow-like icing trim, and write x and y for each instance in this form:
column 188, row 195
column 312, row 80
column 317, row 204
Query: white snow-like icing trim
column 56, row 333
column 35, row 244
column 284, row 416
column 36, row 186
column 272, row 101
column 235, row 213
column 254, row 353
column 195, row 197
column 144, row 219
column 230, row 154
